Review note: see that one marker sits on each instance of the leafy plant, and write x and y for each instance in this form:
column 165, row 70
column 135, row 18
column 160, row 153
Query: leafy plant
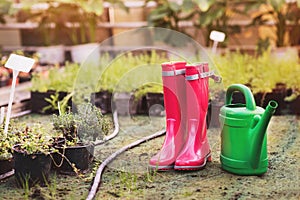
column 77, row 19
column 205, row 14
column 128, row 72
column 280, row 13
column 91, row 123
column 7, row 141
column 291, row 72
column 56, row 79
column 5, row 9
column 148, row 88
column 33, row 139
column 216, row 15
column 261, row 73
column 169, row 14
column 4, row 74
column 85, row 126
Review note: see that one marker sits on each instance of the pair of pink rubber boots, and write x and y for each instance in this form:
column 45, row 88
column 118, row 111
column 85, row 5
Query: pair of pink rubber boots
column 186, row 102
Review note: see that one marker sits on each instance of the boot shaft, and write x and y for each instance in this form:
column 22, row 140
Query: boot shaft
column 174, row 92
column 197, row 90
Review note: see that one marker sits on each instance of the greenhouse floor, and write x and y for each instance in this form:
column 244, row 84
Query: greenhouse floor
column 128, row 177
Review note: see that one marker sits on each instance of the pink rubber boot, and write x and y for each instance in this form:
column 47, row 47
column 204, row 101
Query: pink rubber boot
column 196, row 150
column 174, row 101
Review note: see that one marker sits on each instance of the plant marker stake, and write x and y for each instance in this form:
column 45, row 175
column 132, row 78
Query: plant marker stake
column 16, row 63
column 216, row 36
column 2, row 113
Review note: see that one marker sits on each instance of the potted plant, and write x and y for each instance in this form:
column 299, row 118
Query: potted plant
column 32, row 154
column 52, row 86
column 268, row 82
column 152, row 99
column 4, row 76
column 47, row 34
column 6, row 144
column 67, row 23
column 51, row 32
column 292, row 81
column 84, row 17
column 127, row 11
column 282, row 14
column 127, row 81
column 79, row 131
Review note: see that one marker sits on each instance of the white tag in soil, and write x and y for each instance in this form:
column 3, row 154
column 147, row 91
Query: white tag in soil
column 19, row 63
column 217, row 36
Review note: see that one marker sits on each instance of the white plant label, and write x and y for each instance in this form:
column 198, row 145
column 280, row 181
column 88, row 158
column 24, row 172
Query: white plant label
column 217, row 36
column 19, row 63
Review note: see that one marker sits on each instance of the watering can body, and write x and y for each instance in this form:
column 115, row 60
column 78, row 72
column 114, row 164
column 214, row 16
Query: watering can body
column 243, row 136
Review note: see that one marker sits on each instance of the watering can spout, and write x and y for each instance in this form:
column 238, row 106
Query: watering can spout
column 259, row 127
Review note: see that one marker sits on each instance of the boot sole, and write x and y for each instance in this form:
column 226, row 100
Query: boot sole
column 207, row 159
column 161, row 168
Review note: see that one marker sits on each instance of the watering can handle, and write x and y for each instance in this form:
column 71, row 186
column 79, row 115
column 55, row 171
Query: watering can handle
column 250, row 102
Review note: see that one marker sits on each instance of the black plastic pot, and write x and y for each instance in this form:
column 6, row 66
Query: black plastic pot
column 38, row 101
column 24, row 79
column 155, row 104
column 102, row 100
column 125, row 104
column 34, row 167
column 263, row 99
column 6, row 165
column 142, row 108
column 294, row 106
column 81, row 156
column 212, row 118
column 3, row 83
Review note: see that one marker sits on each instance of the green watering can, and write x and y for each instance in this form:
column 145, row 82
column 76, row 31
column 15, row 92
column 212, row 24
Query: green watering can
column 243, row 136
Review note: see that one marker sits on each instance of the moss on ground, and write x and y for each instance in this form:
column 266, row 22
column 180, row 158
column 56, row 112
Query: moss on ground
column 128, row 178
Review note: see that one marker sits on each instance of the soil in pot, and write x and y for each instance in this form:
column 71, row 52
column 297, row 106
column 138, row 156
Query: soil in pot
column 34, row 168
column 80, row 156
column 6, row 165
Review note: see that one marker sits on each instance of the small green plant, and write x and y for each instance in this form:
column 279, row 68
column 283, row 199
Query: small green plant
column 33, row 139
column 87, row 125
column 56, row 79
column 150, row 175
column 261, row 73
column 128, row 181
column 128, row 72
column 148, row 88
column 234, row 68
column 52, row 186
column 6, row 143
column 25, row 186
column 56, row 104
